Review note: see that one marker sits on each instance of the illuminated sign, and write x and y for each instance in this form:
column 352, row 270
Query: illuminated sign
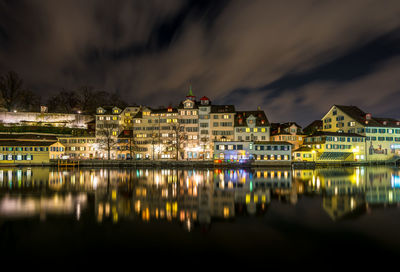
column 395, row 180
column 395, row 146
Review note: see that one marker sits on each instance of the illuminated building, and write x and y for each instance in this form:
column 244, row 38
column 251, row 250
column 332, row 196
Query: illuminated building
column 261, row 152
column 152, row 132
column 269, row 151
column 324, row 146
column 251, row 126
column 288, row 132
column 29, row 148
column 188, row 134
column 382, row 135
column 205, row 131
column 83, row 147
column 126, row 116
column 222, row 122
column 108, row 118
column 126, row 146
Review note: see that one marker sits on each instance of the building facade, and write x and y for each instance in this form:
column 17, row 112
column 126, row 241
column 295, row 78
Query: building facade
column 244, row 151
column 288, row 132
column 251, row 126
column 382, row 135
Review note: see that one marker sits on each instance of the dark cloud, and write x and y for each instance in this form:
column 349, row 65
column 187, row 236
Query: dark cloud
column 151, row 50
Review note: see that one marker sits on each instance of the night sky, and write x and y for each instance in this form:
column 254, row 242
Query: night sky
column 294, row 59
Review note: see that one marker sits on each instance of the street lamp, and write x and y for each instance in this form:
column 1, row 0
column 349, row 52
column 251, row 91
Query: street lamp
column 313, row 155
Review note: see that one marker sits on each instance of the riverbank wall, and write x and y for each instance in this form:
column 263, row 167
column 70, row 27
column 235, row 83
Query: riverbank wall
column 196, row 164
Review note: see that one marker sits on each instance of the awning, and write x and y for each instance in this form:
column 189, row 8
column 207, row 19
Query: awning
column 334, row 156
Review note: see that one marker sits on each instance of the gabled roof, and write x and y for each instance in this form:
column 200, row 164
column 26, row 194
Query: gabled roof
column 303, row 149
column 241, row 117
column 361, row 117
column 27, row 137
column 27, row 143
column 272, row 143
column 314, row 124
column 204, row 98
column 165, row 110
column 222, row 109
column 337, row 134
column 289, row 124
column 108, row 110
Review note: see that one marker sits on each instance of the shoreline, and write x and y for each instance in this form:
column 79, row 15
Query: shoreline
column 196, row 164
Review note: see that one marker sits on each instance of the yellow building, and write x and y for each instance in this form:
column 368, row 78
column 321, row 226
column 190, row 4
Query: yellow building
column 84, row 147
column 332, row 146
column 29, row 152
column 382, row 135
column 288, row 132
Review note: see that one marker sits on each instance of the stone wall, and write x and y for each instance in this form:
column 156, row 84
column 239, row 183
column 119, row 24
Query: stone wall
column 57, row 119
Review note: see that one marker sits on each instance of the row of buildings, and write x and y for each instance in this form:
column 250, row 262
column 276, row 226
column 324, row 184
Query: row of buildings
column 201, row 130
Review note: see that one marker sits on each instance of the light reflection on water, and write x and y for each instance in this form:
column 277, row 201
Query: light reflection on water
column 190, row 197
column 261, row 212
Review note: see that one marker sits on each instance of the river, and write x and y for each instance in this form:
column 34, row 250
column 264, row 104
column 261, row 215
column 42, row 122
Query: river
column 281, row 213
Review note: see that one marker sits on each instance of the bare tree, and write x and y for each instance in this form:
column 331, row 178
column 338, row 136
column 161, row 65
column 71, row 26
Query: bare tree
column 178, row 139
column 204, row 141
column 106, row 140
column 10, row 88
column 87, row 99
column 154, row 141
column 28, row 101
column 132, row 144
column 68, row 101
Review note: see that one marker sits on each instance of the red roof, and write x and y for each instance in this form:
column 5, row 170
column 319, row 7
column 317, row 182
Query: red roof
column 204, row 98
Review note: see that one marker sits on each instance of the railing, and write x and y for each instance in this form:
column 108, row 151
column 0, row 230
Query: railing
column 67, row 163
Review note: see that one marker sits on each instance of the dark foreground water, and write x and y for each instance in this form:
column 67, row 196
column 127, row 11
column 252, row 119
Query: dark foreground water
column 327, row 215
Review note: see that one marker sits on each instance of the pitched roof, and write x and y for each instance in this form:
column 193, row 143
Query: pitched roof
column 241, row 116
column 108, row 110
column 338, row 134
column 23, row 137
column 303, row 149
column 289, row 124
column 222, row 109
column 165, row 110
column 361, row 117
column 27, row 143
column 273, row 142
column 314, row 124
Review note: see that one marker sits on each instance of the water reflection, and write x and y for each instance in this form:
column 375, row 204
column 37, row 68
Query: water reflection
column 192, row 198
